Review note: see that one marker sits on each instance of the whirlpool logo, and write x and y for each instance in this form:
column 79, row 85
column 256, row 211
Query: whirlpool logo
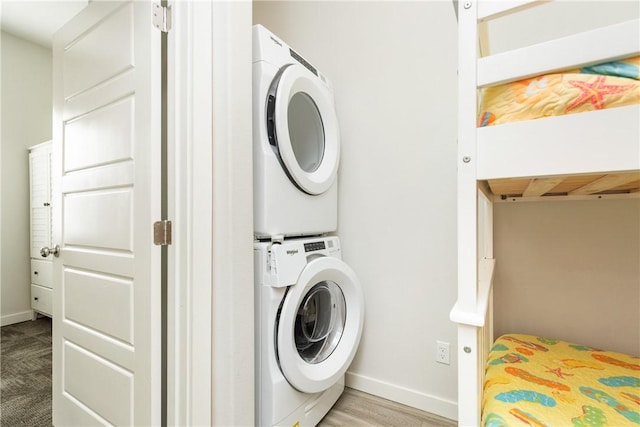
column 292, row 251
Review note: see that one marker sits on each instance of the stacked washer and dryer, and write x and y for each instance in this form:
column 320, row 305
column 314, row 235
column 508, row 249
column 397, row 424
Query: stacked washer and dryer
column 309, row 303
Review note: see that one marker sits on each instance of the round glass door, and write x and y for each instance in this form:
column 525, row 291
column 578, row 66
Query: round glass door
column 320, row 325
column 320, row 322
column 306, row 132
column 303, row 126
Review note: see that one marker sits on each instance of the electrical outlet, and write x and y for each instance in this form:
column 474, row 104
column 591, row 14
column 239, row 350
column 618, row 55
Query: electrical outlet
column 442, row 352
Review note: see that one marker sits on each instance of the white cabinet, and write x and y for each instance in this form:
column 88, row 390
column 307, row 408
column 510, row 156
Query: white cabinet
column 40, row 226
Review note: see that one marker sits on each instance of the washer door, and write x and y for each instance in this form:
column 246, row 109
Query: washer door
column 320, row 325
column 303, row 129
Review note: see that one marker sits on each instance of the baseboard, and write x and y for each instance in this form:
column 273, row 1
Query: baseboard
column 405, row 396
column 22, row 316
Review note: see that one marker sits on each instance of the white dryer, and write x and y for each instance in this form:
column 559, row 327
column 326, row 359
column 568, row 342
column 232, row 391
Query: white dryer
column 296, row 142
column 309, row 315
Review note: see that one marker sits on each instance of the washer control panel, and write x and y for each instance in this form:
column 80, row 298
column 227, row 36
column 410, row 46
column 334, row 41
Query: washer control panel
column 314, row 246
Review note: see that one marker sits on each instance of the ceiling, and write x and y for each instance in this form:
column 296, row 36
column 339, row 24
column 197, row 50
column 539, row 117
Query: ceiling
column 37, row 21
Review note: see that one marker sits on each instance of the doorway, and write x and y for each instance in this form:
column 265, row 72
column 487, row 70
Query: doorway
column 216, row 288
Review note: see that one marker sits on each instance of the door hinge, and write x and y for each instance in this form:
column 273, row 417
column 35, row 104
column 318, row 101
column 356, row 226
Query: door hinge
column 162, row 233
column 161, row 17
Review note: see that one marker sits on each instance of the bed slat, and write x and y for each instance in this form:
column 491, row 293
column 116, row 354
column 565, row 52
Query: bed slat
column 605, row 183
column 561, row 54
column 573, row 185
column 540, row 186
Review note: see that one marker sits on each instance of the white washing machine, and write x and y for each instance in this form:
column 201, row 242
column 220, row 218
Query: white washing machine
column 296, row 142
column 309, row 315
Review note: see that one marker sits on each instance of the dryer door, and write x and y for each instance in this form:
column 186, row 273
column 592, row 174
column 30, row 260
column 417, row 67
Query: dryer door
column 320, row 325
column 303, row 129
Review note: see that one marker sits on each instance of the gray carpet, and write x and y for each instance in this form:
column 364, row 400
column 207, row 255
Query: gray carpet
column 25, row 374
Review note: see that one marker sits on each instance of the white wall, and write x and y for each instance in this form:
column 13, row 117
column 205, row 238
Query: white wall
column 393, row 66
column 570, row 270
column 26, row 121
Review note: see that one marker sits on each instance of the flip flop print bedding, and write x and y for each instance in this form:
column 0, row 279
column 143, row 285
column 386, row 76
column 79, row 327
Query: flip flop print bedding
column 536, row 381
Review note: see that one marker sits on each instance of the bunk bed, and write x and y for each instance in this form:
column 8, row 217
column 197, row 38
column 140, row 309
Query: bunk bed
column 541, row 155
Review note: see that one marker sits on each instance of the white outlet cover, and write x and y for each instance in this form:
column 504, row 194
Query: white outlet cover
column 442, row 352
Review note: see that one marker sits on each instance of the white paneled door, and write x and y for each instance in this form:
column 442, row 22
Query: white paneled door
column 106, row 172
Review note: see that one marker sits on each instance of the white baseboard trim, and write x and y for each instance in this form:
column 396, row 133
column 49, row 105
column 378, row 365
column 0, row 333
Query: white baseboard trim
column 10, row 319
column 405, row 396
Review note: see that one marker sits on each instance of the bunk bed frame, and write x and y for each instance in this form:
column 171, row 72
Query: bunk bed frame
column 547, row 152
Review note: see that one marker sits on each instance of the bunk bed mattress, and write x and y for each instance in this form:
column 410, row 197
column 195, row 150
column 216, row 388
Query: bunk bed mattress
column 542, row 382
column 607, row 85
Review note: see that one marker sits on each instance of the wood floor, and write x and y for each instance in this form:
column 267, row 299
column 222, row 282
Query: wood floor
column 358, row 409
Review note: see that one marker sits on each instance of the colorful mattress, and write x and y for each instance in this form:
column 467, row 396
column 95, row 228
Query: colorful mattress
column 607, row 85
column 532, row 381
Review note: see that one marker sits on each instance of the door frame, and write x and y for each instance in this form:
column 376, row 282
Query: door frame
column 210, row 183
